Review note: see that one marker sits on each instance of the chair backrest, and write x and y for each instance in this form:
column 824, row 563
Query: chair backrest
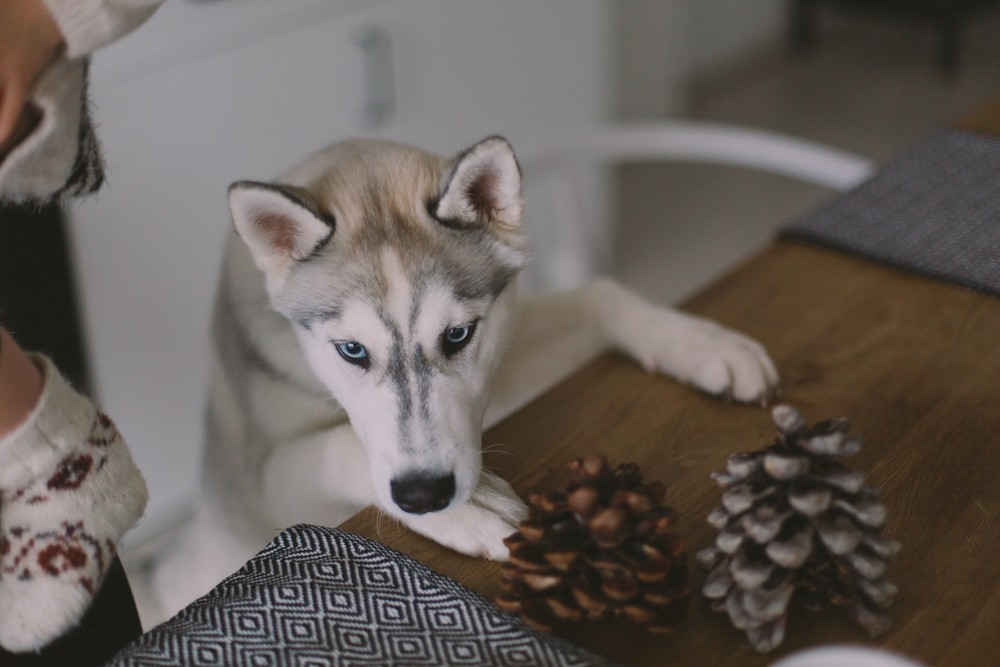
column 567, row 185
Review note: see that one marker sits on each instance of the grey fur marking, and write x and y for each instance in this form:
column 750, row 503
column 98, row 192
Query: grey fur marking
column 423, row 370
column 307, row 318
column 399, row 374
column 396, row 373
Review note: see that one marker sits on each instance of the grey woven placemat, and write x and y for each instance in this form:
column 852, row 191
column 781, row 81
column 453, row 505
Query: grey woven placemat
column 319, row 596
column 934, row 210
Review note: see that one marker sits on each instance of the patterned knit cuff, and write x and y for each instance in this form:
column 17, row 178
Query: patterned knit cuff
column 61, row 156
column 87, row 25
column 60, row 422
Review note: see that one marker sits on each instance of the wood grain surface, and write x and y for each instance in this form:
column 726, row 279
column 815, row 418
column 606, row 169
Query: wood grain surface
column 914, row 365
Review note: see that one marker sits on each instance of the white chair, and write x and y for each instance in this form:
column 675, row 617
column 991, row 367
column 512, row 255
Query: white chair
column 576, row 244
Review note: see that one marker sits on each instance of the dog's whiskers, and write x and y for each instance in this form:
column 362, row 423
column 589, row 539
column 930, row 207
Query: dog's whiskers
column 382, row 514
column 500, row 448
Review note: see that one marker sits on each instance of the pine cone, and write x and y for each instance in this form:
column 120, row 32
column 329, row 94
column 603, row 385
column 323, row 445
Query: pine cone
column 795, row 523
column 602, row 548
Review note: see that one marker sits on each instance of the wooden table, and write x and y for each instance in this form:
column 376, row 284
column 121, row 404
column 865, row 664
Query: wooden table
column 915, row 365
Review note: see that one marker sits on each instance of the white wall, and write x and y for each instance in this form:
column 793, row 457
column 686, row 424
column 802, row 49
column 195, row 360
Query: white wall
column 662, row 46
column 653, row 43
column 727, row 29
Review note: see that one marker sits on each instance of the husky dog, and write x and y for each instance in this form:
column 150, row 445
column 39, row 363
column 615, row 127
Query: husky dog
column 384, row 277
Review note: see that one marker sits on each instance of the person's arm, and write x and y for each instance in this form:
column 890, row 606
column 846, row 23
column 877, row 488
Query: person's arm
column 33, row 33
column 29, row 41
column 20, row 385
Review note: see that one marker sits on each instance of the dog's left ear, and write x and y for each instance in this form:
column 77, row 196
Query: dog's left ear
column 483, row 187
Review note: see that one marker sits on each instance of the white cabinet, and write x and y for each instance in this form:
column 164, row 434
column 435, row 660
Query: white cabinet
column 211, row 92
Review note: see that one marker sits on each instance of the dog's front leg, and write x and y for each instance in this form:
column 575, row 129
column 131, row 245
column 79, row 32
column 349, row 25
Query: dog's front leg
column 557, row 333
column 691, row 349
column 478, row 526
column 321, row 478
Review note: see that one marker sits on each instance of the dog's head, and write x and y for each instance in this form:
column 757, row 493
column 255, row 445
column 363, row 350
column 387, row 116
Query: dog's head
column 396, row 269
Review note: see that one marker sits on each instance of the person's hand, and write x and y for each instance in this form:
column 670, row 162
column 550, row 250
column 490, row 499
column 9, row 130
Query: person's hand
column 29, row 41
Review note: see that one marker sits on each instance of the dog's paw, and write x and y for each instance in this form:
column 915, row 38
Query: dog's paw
column 478, row 526
column 712, row 358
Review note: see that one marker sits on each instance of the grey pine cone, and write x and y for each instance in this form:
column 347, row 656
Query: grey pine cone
column 795, row 523
column 602, row 548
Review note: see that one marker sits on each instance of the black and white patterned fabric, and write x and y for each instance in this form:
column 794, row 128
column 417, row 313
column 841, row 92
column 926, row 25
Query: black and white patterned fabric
column 319, row 596
column 935, row 210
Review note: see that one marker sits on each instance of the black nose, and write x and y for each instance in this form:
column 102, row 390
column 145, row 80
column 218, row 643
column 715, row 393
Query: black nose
column 421, row 493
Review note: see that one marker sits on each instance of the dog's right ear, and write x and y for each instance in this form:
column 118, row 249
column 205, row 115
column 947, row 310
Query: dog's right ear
column 279, row 223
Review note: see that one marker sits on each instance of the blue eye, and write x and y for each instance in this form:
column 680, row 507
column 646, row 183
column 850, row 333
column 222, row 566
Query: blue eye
column 455, row 338
column 456, row 335
column 353, row 352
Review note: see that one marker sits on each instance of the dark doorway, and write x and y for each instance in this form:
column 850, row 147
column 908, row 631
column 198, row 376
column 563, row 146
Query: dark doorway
column 38, row 301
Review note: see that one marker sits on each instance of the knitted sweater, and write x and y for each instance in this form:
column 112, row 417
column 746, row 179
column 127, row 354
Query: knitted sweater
column 87, row 25
column 61, row 157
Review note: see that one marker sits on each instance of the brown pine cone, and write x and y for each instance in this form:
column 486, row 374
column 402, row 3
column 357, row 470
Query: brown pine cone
column 796, row 523
column 602, row 548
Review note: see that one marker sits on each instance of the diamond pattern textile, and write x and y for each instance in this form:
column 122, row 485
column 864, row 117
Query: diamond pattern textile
column 319, row 596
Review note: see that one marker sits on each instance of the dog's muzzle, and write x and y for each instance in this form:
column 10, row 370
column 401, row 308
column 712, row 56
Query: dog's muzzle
column 421, row 493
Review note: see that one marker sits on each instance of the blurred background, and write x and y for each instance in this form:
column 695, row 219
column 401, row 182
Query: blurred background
column 219, row 90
